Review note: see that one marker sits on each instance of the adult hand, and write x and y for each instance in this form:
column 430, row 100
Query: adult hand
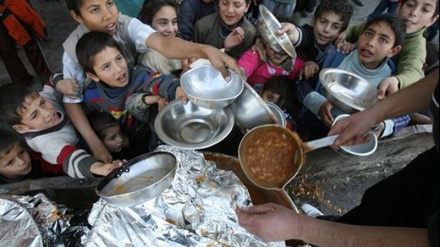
column 352, row 129
column 309, row 70
column 103, row 169
column 69, row 88
column 235, row 38
column 325, row 113
column 271, row 222
column 387, row 86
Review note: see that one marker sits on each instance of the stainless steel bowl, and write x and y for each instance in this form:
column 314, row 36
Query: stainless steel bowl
column 250, row 110
column 138, row 181
column 206, row 87
column 347, row 91
column 279, row 114
column 192, row 127
column 266, row 26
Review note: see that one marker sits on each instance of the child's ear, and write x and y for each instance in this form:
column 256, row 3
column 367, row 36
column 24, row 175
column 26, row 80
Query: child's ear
column 20, row 127
column 92, row 76
column 433, row 20
column 76, row 17
column 394, row 51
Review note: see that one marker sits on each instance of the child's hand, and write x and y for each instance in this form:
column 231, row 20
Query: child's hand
column 309, row 70
column 325, row 113
column 259, row 47
column 155, row 99
column 234, row 39
column 68, row 87
column 388, row 86
column 290, row 30
column 180, row 94
column 342, row 45
column 103, row 169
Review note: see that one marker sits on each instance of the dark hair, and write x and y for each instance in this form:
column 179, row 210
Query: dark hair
column 151, row 7
column 100, row 122
column 91, row 44
column 396, row 24
column 8, row 140
column 339, row 7
column 12, row 99
column 283, row 86
column 74, row 5
column 436, row 6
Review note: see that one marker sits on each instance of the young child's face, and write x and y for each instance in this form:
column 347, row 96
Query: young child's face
column 114, row 139
column 418, row 14
column 375, row 43
column 231, row 11
column 110, row 67
column 15, row 163
column 326, row 28
column 271, row 97
column 98, row 15
column 165, row 21
column 37, row 113
column 275, row 58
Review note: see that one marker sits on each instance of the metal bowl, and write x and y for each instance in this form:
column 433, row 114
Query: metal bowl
column 192, row 127
column 250, row 110
column 363, row 149
column 267, row 25
column 138, row 181
column 279, row 114
column 347, row 91
column 206, row 87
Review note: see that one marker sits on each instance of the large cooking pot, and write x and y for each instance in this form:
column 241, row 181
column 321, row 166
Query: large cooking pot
column 138, row 181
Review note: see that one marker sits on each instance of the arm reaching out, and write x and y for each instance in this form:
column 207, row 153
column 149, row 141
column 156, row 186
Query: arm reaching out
column 411, row 99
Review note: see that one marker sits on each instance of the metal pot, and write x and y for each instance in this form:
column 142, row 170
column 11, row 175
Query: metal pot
column 138, row 181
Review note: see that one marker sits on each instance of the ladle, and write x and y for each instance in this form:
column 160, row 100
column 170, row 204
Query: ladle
column 272, row 155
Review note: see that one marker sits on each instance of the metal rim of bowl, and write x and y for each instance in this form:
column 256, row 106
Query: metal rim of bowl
column 262, row 9
column 211, row 142
column 118, row 198
column 278, row 109
column 324, row 72
column 190, row 96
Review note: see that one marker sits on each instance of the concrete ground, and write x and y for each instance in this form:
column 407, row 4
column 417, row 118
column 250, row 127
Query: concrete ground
column 330, row 180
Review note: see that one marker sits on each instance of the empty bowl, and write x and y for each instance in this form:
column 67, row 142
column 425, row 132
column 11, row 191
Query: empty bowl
column 189, row 126
column 347, row 91
column 206, row 87
column 362, row 149
column 250, row 110
column 266, row 26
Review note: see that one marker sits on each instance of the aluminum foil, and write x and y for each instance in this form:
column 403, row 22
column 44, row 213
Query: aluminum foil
column 196, row 210
column 36, row 221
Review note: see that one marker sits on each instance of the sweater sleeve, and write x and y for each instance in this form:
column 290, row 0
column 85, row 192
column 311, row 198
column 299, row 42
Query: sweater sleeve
column 249, row 62
column 160, row 84
column 77, row 162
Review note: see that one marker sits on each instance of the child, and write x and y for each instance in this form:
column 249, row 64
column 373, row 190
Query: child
column 330, row 19
column 417, row 15
column 110, row 133
column 15, row 162
column 161, row 15
column 281, row 91
column 124, row 91
column 41, row 120
column 227, row 28
column 257, row 73
column 380, row 40
column 135, row 37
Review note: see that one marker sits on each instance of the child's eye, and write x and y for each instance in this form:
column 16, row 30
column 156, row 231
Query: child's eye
column 382, row 40
column 106, row 67
column 94, row 10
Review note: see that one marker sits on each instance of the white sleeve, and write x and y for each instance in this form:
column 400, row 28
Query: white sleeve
column 139, row 32
column 73, row 71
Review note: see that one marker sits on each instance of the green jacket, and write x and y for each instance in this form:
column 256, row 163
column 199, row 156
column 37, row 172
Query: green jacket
column 409, row 60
